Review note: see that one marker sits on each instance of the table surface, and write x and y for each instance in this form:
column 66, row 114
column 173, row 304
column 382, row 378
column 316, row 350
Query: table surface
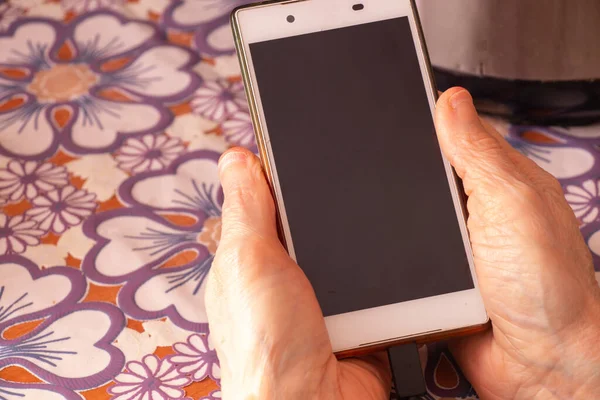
column 101, row 273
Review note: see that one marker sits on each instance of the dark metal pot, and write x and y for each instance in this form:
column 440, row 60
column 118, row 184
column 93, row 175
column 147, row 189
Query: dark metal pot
column 528, row 60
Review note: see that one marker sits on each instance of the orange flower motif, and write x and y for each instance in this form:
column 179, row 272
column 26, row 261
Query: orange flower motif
column 211, row 234
column 62, row 82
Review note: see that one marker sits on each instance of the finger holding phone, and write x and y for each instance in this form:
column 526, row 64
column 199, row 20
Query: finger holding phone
column 346, row 154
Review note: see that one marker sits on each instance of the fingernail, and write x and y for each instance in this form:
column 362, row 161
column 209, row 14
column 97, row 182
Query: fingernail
column 232, row 157
column 461, row 97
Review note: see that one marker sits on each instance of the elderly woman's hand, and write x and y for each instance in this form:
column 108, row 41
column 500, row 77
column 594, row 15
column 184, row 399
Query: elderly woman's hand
column 534, row 270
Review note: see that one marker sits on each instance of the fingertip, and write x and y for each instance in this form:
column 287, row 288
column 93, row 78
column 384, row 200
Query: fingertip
column 248, row 204
column 461, row 98
column 239, row 167
column 454, row 107
column 232, row 157
column 444, row 99
column 465, row 141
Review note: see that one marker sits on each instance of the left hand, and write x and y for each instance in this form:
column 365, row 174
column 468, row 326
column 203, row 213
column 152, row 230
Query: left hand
column 265, row 321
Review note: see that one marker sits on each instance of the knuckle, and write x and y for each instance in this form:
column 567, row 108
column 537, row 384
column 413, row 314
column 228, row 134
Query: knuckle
column 240, row 196
column 477, row 138
column 528, row 193
column 547, row 184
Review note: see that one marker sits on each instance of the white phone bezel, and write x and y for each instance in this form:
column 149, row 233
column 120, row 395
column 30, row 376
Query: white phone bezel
column 386, row 323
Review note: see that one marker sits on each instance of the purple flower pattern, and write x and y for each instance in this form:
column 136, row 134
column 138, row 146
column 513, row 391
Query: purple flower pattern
column 114, row 99
column 80, row 6
column 61, row 209
column 151, row 378
column 79, row 85
column 214, row 395
column 148, row 153
column 19, row 391
column 584, row 200
column 208, row 20
column 53, row 350
column 29, row 178
column 9, row 14
column 134, row 242
column 238, row 130
column 17, row 233
column 197, row 358
column 219, row 99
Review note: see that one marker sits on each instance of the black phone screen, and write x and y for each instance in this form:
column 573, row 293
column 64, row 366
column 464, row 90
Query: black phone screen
column 363, row 183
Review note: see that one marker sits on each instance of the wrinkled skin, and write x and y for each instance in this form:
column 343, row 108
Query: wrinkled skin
column 534, row 270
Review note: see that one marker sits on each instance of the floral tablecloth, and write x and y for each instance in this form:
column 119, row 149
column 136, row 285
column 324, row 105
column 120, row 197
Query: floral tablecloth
column 113, row 114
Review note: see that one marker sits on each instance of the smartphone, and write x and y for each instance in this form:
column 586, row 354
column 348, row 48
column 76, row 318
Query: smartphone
column 342, row 101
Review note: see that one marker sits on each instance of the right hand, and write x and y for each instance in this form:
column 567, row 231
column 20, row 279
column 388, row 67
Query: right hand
column 534, row 269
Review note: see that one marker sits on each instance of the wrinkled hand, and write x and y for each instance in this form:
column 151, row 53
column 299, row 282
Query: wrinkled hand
column 534, row 271
column 265, row 322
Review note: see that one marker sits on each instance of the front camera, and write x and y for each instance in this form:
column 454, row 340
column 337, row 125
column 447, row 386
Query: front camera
column 290, row 18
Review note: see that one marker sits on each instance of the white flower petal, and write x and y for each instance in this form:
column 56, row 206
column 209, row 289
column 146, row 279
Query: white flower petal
column 16, row 168
column 591, row 216
column 155, row 165
column 108, row 34
column 192, row 368
column 22, row 133
column 168, row 373
column 29, row 167
column 163, row 79
column 221, row 38
column 156, row 395
column 70, row 218
column 576, row 190
column 67, row 191
column 142, row 166
column 216, row 371
column 46, row 221
column 18, row 193
column 151, row 362
column 15, row 221
column 590, row 186
column 137, row 369
column 41, row 201
column 27, row 38
column 198, row 343
column 579, row 207
column 112, row 118
column 196, row 12
column 148, row 141
column 172, row 392
column 166, row 370
column 127, row 378
column 16, row 245
column 184, row 348
column 58, row 226
column 576, row 198
column 562, row 162
column 123, row 388
column 201, row 372
column 28, row 239
column 128, row 396
column 30, row 191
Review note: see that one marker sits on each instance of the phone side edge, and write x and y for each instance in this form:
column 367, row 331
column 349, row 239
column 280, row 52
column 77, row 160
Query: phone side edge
column 458, row 184
column 253, row 107
column 419, row 340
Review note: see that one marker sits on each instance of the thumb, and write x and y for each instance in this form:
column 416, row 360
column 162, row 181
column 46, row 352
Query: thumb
column 248, row 207
column 474, row 151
